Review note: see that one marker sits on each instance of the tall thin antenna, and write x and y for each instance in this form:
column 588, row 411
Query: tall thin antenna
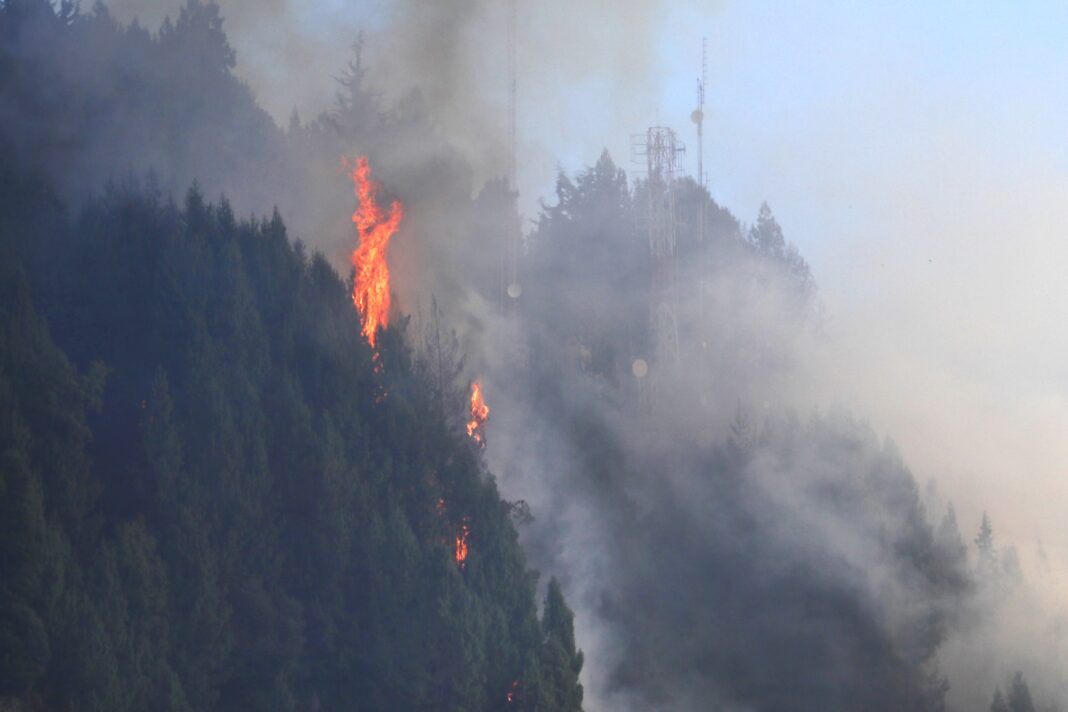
column 509, row 282
column 512, row 89
column 698, row 115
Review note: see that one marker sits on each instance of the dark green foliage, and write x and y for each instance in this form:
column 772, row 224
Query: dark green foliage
column 246, row 515
column 562, row 664
column 91, row 100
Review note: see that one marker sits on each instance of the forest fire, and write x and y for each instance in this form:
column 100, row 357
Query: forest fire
column 510, row 697
column 461, row 544
column 370, row 285
column 479, row 414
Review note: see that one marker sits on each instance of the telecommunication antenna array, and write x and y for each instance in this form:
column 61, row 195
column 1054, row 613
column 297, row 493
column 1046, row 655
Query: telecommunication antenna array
column 660, row 149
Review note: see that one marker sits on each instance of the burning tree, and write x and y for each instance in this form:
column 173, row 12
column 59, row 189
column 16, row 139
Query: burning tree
column 370, row 284
column 479, row 415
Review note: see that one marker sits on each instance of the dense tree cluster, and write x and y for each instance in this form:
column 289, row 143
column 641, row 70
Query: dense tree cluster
column 213, row 498
column 89, row 99
column 213, row 495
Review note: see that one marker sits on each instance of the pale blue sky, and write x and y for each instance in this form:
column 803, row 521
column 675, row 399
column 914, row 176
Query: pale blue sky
column 851, row 87
column 918, row 154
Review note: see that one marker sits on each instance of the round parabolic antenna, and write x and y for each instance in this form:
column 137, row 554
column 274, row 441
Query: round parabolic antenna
column 514, row 290
column 639, row 368
column 697, row 116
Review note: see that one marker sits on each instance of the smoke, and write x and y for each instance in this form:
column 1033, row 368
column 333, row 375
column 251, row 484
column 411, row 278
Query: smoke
column 719, row 550
column 574, row 61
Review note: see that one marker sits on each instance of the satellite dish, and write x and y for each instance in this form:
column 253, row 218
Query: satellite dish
column 639, row 368
column 697, row 116
column 514, row 290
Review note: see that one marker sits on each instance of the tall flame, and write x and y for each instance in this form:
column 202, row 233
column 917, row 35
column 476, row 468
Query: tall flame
column 370, row 287
column 479, row 414
column 461, row 544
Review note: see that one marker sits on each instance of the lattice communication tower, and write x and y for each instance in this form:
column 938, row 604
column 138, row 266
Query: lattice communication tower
column 659, row 148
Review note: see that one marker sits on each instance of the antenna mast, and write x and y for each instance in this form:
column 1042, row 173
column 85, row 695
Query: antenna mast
column 698, row 115
column 509, row 280
column 698, row 118
column 512, row 93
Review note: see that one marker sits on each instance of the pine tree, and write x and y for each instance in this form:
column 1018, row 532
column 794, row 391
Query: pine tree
column 767, row 236
column 948, row 536
column 1019, row 695
column 984, row 543
column 561, row 662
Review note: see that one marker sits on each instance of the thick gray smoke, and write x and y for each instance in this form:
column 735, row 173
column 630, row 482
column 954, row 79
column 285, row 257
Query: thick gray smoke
column 574, row 61
column 722, row 550
column 726, row 539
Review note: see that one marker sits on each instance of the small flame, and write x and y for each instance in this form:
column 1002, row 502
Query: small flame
column 479, row 414
column 461, row 544
column 370, row 287
column 511, row 692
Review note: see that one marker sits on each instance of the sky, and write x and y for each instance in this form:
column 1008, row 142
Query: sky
column 915, row 151
column 917, row 154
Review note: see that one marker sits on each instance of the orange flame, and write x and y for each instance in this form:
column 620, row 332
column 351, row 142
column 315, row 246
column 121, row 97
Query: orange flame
column 370, row 287
column 511, row 692
column 461, row 544
column 479, row 414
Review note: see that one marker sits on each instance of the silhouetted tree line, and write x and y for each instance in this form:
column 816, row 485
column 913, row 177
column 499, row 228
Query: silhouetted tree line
column 587, row 274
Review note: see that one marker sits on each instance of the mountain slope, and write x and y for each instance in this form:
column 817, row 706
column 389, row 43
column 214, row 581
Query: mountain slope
column 237, row 504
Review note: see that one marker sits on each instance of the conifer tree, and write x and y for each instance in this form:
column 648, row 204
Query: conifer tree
column 984, row 544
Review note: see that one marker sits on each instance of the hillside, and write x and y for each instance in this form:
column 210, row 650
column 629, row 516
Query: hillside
column 213, row 499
